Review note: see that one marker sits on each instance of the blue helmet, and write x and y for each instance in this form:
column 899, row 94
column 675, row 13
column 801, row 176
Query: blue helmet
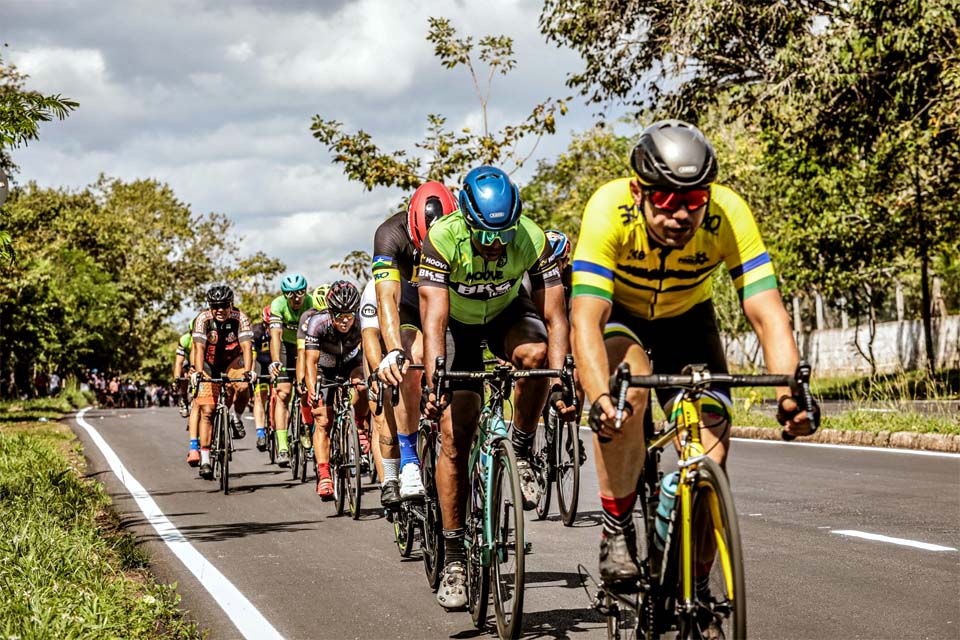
column 489, row 200
column 293, row 282
column 560, row 243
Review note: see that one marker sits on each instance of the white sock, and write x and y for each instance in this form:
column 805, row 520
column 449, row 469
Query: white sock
column 204, row 456
column 391, row 469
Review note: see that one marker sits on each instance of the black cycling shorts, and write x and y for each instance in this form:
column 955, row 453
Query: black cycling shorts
column 465, row 349
column 693, row 337
column 329, row 374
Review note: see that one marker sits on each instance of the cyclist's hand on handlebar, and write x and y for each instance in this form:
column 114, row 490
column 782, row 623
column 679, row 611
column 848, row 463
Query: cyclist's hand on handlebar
column 392, row 367
column 194, row 379
column 562, row 404
column 433, row 406
column 275, row 367
column 251, row 376
column 603, row 418
column 795, row 421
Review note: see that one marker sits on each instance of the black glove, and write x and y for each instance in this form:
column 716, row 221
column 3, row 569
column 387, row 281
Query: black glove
column 783, row 415
column 557, row 394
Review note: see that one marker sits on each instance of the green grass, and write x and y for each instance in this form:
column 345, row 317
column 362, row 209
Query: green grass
column 66, row 568
column 860, row 420
column 894, row 388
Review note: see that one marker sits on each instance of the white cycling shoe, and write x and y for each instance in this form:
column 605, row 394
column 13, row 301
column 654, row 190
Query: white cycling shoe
column 452, row 592
column 411, row 486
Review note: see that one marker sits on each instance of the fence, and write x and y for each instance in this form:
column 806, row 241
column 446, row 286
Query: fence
column 897, row 346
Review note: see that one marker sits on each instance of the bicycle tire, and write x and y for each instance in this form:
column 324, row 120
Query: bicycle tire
column 711, row 491
column 304, row 466
column 224, row 452
column 403, row 532
column 215, row 451
column 432, row 540
column 543, row 464
column 293, row 439
column 478, row 575
column 568, row 470
column 354, row 475
column 507, row 559
column 336, row 467
column 272, row 444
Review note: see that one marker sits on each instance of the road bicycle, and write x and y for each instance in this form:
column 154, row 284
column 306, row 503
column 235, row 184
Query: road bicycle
column 221, row 438
column 666, row 597
column 558, row 455
column 346, row 465
column 494, row 526
column 273, row 446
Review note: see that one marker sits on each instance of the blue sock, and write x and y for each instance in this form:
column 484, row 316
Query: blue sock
column 194, row 444
column 408, row 449
column 261, row 432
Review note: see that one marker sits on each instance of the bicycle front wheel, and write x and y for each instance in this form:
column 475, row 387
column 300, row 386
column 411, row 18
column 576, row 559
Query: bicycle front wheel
column 293, row 439
column 543, row 462
column 568, row 469
column 337, row 469
column 352, row 473
column 506, row 520
column 224, row 452
column 432, row 542
column 721, row 603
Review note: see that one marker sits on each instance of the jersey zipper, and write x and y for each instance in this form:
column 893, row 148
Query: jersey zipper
column 663, row 267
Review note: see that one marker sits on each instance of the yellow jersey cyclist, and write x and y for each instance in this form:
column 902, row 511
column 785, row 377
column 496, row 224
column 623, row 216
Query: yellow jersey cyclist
column 642, row 281
column 285, row 311
column 396, row 249
column 470, row 283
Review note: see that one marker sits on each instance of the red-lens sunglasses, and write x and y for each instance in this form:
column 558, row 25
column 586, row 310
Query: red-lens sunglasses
column 671, row 201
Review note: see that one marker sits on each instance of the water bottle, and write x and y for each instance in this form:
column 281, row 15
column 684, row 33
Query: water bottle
column 668, row 496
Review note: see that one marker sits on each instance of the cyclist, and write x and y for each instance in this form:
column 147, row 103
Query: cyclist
column 642, row 280
column 181, row 369
column 372, row 347
column 332, row 344
column 396, row 249
column 285, row 311
column 470, row 284
column 261, row 392
column 221, row 348
column 561, row 254
column 319, row 304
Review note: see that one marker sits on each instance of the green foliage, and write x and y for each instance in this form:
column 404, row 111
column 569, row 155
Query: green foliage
column 356, row 266
column 21, row 112
column 443, row 154
column 61, row 574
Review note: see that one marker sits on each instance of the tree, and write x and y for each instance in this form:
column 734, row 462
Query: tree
column 355, row 265
column 22, row 111
column 444, row 155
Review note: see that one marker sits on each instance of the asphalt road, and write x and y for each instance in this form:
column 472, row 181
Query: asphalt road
column 314, row 575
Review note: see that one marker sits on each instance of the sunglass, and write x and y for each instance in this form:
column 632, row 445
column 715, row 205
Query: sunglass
column 295, row 294
column 671, row 201
column 487, row 238
column 220, row 305
column 344, row 315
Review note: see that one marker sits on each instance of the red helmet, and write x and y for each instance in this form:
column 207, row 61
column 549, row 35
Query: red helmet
column 430, row 201
column 266, row 314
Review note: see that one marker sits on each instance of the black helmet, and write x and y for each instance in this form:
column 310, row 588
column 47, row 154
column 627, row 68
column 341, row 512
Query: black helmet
column 673, row 155
column 343, row 297
column 219, row 295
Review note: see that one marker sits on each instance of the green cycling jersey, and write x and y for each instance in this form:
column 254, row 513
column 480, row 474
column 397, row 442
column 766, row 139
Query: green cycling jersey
column 283, row 317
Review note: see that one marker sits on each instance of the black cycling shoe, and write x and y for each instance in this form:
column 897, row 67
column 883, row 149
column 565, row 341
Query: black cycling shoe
column 206, row 471
column 390, row 493
column 619, row 568
column 262, row 443
column 237, row 425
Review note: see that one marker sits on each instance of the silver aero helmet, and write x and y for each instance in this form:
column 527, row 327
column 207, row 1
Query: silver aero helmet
column 673, row 155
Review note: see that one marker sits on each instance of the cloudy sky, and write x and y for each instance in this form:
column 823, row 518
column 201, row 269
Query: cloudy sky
column 216, row 99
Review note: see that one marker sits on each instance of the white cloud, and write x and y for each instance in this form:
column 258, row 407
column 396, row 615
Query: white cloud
column 240, row 52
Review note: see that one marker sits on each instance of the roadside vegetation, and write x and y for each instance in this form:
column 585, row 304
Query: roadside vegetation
column 67, row 570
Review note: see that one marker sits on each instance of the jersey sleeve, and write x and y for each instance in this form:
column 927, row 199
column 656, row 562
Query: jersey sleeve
column 544, row 272
column 434, row 270
column 245, row 331
column 302, row 327
column 199, row 334
column 276, row 312
column 601, row 233
column 368, row 307
column 385, row 254
column 317, row 326
column 744, row 253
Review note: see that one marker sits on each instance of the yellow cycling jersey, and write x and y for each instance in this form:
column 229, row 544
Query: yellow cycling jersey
column 616, row 260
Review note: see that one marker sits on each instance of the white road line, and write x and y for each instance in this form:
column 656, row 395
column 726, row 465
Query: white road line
column 249, row 621
column 900, row 541
column 915, row 452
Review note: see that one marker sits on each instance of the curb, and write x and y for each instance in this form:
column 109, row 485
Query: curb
column 893, row 440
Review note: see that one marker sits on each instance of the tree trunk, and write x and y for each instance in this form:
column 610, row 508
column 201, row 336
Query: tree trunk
column 924, row 275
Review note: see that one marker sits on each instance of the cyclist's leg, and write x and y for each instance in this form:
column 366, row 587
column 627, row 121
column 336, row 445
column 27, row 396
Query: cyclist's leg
column 288, row 357
column 323, row 420
column 238, row 397
column 407, row 411
column 205, row 403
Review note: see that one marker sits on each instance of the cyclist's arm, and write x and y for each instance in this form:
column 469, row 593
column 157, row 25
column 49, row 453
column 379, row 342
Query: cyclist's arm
column 434, row 310
column 310, row 359
column 589, row 316
column 771, row 323
column 177, row 365
column 276, row 337
column 246, row 348
column 371, row 347
column 552, row 307
column 388, row 313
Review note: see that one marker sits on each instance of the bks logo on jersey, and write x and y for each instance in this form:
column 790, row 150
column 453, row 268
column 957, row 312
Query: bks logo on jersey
column 484, row 275
column 487, row 290
column 431, row 276
column 368, row 311
column 697, row 259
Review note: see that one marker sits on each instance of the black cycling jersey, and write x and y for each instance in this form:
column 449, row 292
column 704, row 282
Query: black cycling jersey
column 336, row 348
column 261, row 341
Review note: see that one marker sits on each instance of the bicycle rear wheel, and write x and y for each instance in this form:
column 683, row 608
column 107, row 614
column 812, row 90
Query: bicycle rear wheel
column 722, row 606
column 543, row 463
column 336, row 466
column 506, row 520
column 432, row 527
column 224, row 452
column 272, row 444
column 403, row 524
column 353, row 475
column 568, row 469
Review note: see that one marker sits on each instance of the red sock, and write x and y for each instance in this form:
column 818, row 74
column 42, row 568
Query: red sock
column 323, row 469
